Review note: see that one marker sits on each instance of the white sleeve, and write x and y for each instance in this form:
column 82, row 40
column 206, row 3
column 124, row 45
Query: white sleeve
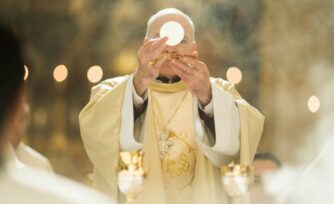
column 227, row 128
column 208, row 109
column 127, row 137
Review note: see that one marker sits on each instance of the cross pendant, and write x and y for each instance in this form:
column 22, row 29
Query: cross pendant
column 164, row 143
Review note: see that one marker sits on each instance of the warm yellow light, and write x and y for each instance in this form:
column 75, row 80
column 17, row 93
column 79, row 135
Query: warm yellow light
column 26, row 72
column 125, row 62
column 234, row 75
column 60, row 73
column 313, row 104
column 95, row 74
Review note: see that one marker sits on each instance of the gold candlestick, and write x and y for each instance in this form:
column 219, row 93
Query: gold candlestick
column 237, row 180
column 131, row 175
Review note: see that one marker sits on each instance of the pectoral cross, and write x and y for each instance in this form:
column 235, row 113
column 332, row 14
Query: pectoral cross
column 164, row 143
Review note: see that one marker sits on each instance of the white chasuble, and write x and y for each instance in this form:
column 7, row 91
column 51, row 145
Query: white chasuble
column 171, row 112
column 182, row 157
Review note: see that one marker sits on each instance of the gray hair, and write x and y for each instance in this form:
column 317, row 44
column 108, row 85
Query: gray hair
column 170, row 11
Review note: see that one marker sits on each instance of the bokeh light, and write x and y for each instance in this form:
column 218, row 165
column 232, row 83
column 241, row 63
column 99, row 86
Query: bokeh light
column 26, row 72
column 234, row 75
column 313, row 104
column 60, row 73
column 95, row 74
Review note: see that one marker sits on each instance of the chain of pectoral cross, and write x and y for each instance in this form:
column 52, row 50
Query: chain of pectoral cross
column 164, row 139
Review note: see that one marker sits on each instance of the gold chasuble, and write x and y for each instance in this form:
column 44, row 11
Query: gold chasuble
column 178, row 170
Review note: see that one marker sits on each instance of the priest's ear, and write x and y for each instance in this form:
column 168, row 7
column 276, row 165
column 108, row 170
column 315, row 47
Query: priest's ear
column 145, row 40
column 194, row 49
column 194, row 46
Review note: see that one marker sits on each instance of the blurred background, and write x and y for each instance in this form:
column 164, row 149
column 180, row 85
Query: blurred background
column 280, row 55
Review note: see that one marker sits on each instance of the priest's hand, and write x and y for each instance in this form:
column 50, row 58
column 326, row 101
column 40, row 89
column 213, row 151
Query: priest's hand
column 195, row 74
column 148, row 64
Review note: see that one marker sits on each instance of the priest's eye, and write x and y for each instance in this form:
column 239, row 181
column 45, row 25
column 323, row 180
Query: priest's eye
column 183, row 41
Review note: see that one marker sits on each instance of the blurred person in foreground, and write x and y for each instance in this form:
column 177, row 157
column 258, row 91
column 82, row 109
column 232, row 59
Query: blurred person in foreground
column 24, row 153
column 264, row 163
column 187, row 123
column 21, row 184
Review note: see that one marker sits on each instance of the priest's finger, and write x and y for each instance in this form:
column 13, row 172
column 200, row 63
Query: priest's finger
column 155, row 53
column 184, row 67
column 182, row 74
column 157, row 43
column 149, row 43
column 193, row 61
column 159, row 62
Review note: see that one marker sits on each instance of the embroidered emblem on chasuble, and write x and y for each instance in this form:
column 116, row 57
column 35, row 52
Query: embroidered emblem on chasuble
column 173, row 117
column 180, row 162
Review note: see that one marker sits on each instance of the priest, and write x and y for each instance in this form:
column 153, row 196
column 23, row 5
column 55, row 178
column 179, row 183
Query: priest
column 187, row 123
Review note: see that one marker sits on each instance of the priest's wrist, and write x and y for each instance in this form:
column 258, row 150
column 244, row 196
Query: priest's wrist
column 139, row 84
column 206, row 98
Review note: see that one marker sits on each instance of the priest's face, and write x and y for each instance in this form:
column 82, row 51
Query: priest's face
column 186, row 46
